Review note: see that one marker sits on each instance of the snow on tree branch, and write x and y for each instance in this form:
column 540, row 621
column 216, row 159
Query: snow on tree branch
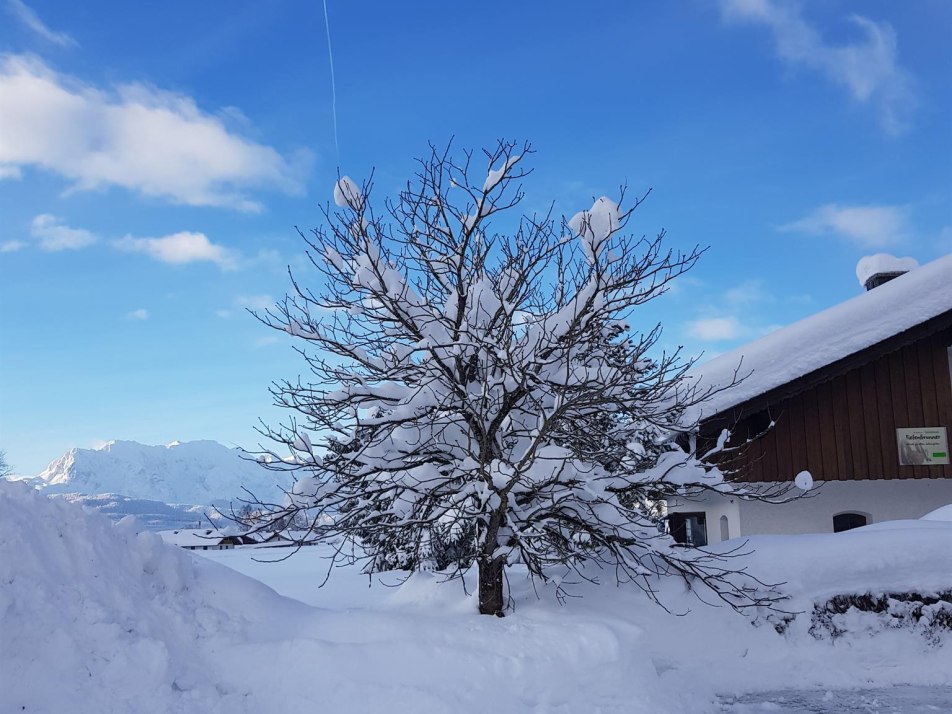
column 482, row 398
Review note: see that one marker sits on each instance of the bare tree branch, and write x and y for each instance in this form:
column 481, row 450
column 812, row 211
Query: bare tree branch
column 484, row 398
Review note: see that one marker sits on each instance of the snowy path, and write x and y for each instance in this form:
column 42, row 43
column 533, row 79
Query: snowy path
column 892, row 700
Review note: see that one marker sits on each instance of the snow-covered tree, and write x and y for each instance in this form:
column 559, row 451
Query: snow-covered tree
column 477, row 383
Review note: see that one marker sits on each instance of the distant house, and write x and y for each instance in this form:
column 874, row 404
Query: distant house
column 200, row 539
column 269, row 539
column 858, row 395
column 214, row 539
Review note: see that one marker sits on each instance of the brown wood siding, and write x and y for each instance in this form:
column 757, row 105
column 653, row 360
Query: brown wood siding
column 770, row 462
column 811, row 416
column 897, row 393
column 930, row 400
column 869, row 389
column 887, row 435
column 942, row 376
column 859, row 465
column 827, row 427
column 910, row 367
column 844, row 428
column 841, row 425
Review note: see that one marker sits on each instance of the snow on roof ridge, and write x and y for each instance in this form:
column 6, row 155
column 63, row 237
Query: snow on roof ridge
column 827, row 336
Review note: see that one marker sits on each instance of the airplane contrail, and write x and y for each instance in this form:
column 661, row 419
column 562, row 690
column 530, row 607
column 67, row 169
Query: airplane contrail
column 330, row 56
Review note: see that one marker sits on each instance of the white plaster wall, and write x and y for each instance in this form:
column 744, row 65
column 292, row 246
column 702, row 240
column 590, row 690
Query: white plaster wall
column 881, row 500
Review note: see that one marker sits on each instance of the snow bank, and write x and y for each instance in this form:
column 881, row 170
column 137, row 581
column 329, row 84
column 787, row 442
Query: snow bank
column 940, row 514
column 887, row 557
column 591, row 651
column 98, row 618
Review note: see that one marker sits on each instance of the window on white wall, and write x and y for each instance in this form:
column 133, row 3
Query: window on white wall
column 725, row 529
column 848, row 521
column 688, row 528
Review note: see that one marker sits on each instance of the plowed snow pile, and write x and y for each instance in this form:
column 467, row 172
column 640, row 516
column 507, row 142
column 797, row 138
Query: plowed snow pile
column 94, row 617
column 97, row 618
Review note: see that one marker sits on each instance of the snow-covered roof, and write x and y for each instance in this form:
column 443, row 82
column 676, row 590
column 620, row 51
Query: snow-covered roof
column 192, row 537
column 821, row 339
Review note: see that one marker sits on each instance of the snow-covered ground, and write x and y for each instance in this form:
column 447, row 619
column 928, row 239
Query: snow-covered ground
column 868, row 700
column 98, row 618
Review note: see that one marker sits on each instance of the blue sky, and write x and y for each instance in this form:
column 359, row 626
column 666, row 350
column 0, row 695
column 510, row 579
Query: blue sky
column 155, row 158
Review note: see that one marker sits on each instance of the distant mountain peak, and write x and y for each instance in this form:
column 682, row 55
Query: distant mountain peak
column 193, row 472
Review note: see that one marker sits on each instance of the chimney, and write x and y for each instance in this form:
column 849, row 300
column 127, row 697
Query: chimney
column 874, row 270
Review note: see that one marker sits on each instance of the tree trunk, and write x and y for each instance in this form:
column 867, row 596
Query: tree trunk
column 490, row 587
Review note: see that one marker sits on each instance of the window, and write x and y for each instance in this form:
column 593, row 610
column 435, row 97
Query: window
column 688, row 528
column 848, row 521
column 758, row 424
column 725, row 529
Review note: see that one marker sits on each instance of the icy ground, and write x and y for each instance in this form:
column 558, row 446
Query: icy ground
column 100, row 618
column 874, row 700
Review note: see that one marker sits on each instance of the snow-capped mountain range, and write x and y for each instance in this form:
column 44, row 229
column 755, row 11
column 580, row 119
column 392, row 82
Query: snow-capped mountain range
column 195, row 472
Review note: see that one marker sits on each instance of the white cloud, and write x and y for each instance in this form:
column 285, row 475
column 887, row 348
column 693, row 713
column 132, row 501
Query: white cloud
column 269, row 258
column 54, row 236
column 156, row 143
column 28, row 18
column 255, row 302
column 715, row 329
column 181, row 248
column 140, row 314
column 735, row 314
column 11, row 246
column 868, row 68
column 749, row 292
column 868, row 226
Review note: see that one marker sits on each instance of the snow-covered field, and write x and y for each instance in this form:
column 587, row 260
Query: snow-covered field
column 98, row 618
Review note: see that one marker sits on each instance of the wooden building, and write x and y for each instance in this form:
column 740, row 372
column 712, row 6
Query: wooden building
column 859, row 396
